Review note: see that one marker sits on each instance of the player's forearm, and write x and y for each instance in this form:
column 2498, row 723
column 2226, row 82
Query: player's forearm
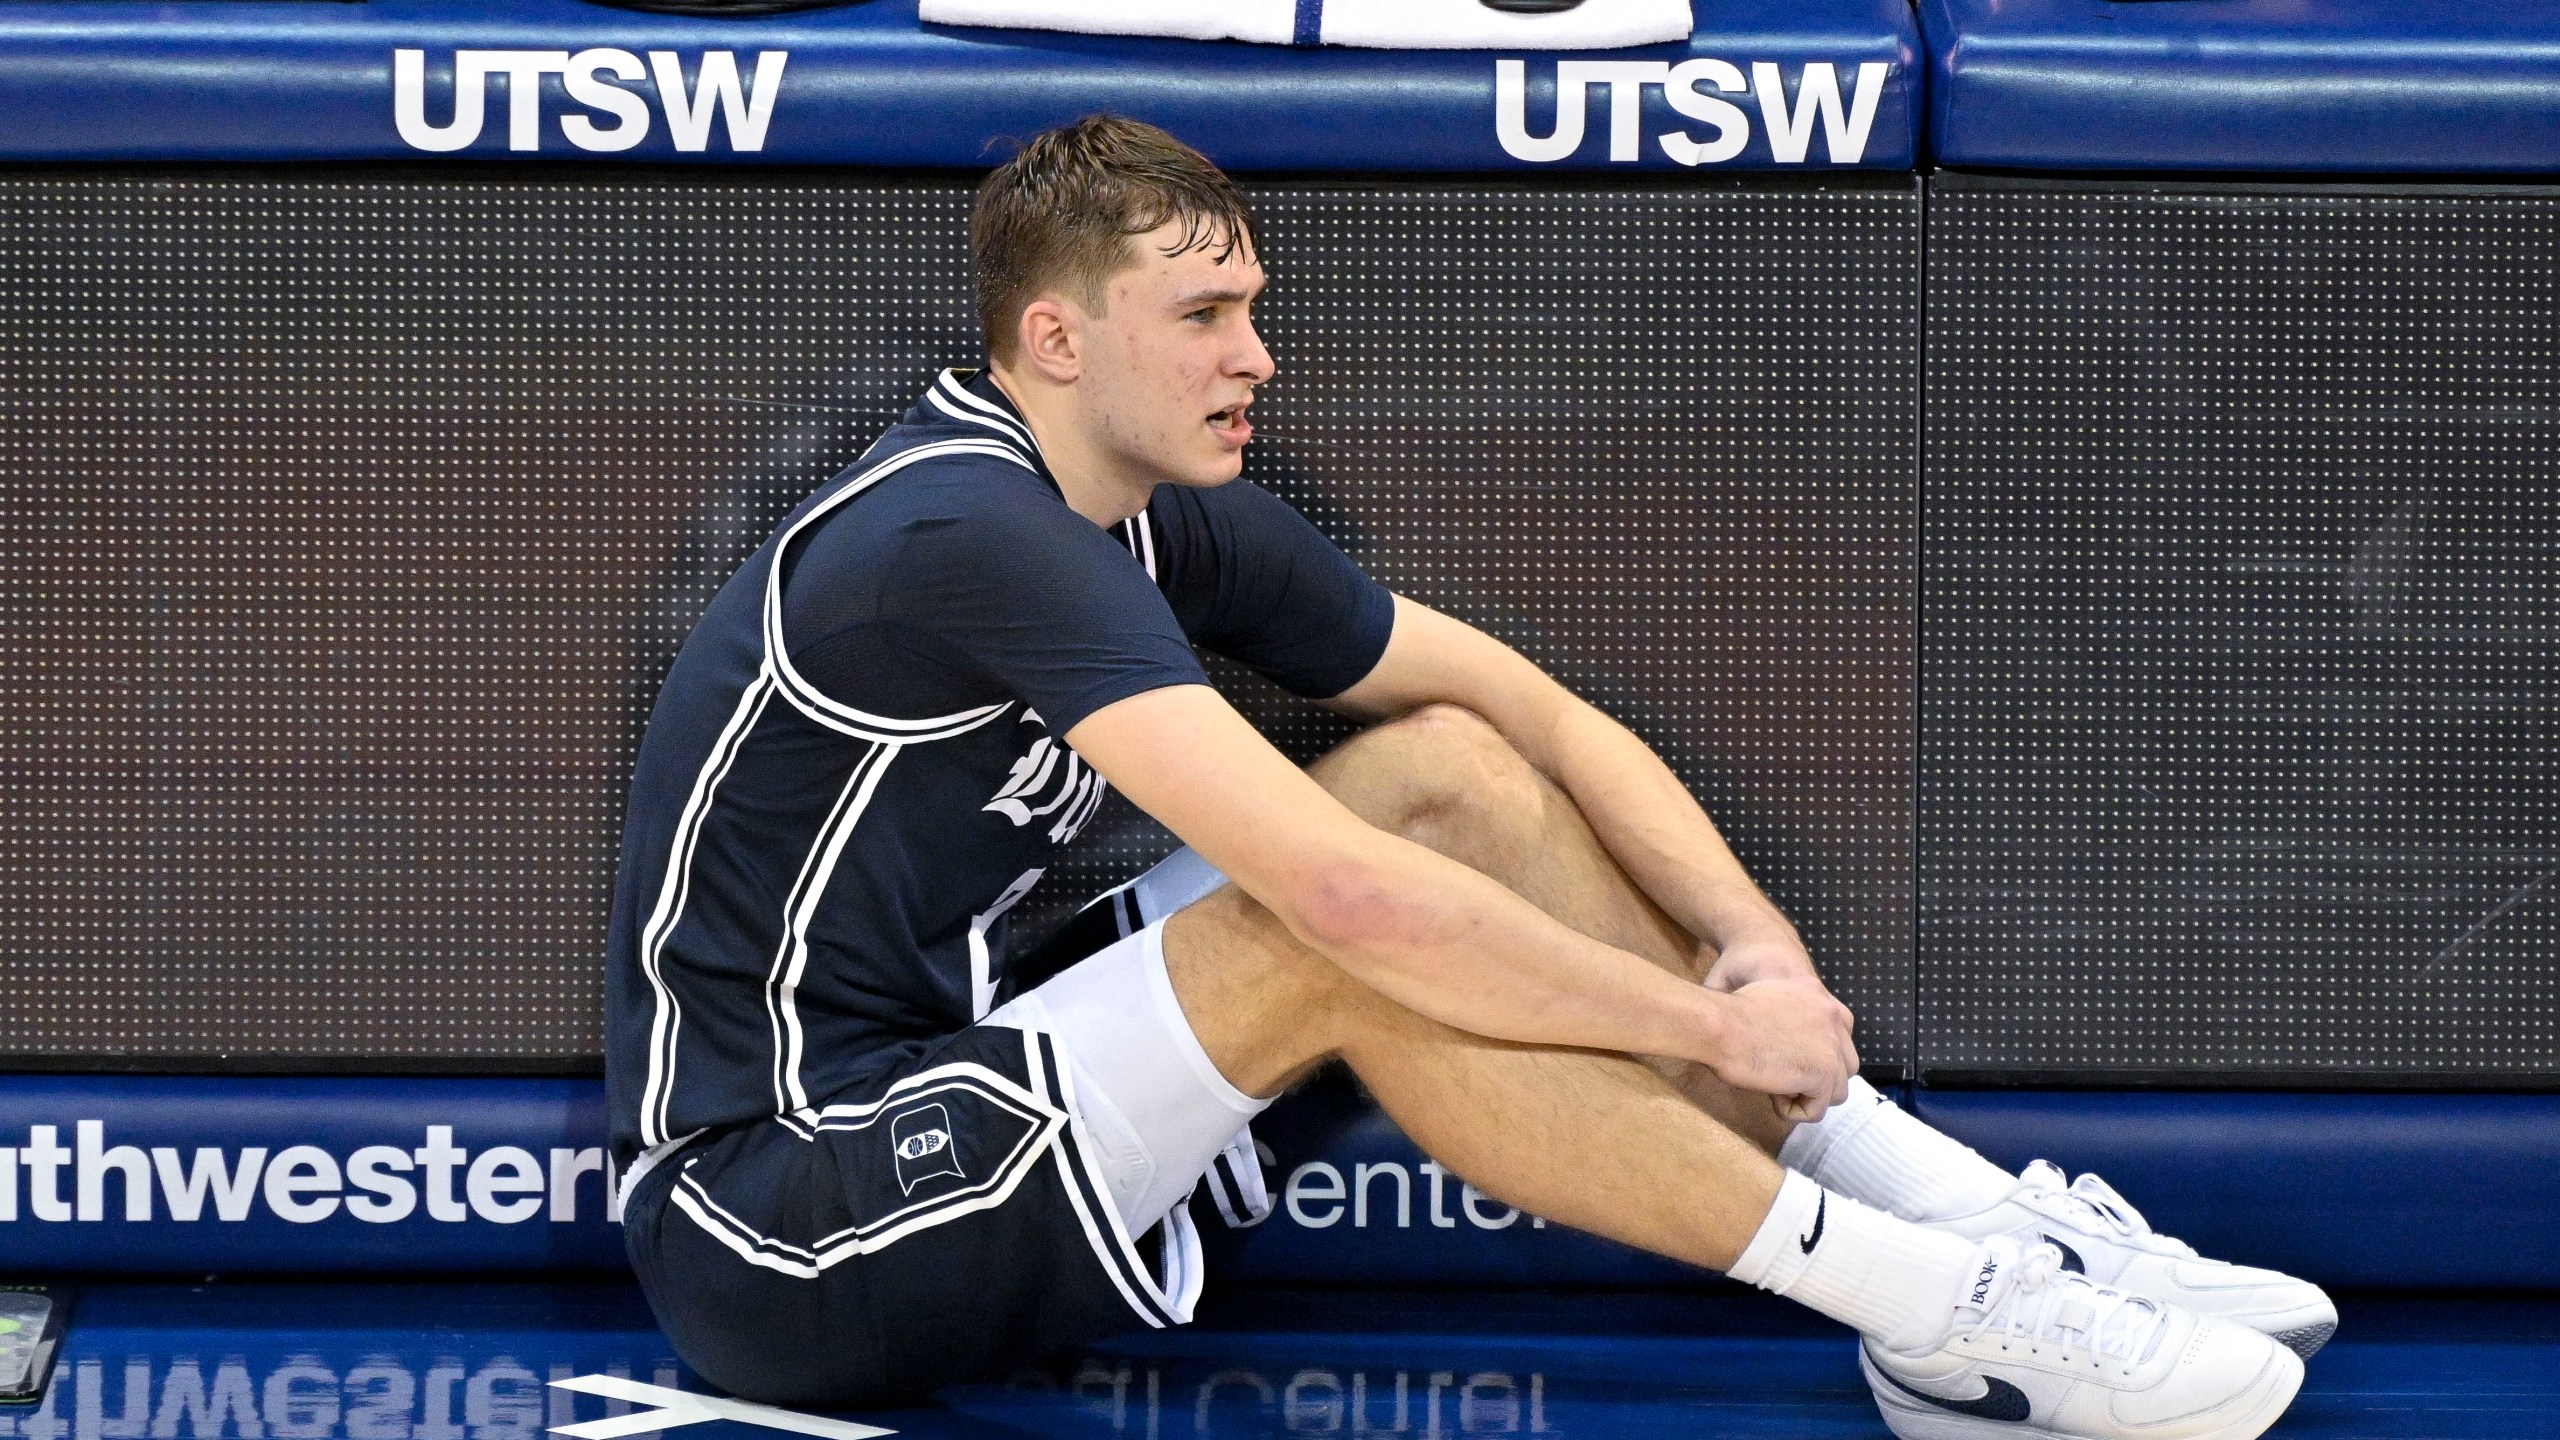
column 1655, row 829
column 1445, row 941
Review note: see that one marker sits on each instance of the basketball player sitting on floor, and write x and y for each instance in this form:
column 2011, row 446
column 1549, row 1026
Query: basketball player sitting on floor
column 863, row 1161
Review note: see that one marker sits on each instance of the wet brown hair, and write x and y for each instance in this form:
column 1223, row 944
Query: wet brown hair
column 1060, row 214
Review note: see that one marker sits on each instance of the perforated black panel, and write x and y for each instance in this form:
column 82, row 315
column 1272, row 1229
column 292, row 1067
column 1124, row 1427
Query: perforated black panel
column 349, row 523
column 2241, row 618
column 1661, row 441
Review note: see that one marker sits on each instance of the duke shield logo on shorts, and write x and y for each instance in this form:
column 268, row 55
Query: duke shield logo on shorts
column 920, row 1139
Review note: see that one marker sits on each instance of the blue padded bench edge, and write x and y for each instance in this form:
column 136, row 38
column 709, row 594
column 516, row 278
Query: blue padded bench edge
column 2266, row 86
column 2387, row 1190
column 870, row 85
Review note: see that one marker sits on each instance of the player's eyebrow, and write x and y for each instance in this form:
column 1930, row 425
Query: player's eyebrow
column 1212, row 297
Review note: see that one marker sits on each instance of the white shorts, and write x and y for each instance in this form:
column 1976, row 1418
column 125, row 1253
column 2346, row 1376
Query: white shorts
column 1155, row 1110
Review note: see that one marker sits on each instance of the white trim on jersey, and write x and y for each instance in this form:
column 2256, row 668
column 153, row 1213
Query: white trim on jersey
column 808, row 698
column 1138, row 533
column 791, row 957
column 1077, row 801
column 991, row 416
column 934, row 399
column 1045, row 1119
column 673, row 890
column 950, row 396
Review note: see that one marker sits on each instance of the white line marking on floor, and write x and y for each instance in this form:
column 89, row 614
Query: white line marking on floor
column 684, row 1407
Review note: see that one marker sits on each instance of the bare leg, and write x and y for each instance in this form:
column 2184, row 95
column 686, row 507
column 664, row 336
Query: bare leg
column 1445, row 778
column 1591, row 1140
column 1597, row 1141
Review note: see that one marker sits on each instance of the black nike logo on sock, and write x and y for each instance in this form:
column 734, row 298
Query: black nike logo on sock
column 2070, row 1258
column 1819, row 1206
column 1999, row 1399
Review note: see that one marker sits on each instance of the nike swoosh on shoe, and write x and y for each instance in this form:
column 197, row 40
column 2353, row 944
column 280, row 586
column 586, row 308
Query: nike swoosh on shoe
column 1999, row 1399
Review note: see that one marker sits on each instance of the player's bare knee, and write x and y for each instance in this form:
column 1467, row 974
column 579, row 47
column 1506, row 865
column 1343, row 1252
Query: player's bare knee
column 1467, row 788
column 1447, row 726
column 1441, row 772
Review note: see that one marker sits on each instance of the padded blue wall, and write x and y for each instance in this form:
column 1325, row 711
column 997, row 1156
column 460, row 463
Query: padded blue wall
column 2370, row 86
column 507, row 1175
column 2384, row 1190
column 868, row 85
column 2345, row 86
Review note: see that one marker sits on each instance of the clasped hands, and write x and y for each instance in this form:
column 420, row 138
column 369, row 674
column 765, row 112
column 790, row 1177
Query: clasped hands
column 1788, row 1036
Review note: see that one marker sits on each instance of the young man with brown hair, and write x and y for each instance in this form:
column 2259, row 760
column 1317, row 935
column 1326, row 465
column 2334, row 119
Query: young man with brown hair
column 863, row 1160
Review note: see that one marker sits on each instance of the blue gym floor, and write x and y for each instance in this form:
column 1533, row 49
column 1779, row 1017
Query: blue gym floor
column 470, row 1361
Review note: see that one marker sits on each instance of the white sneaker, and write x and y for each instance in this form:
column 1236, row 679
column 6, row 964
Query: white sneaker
column 2039, row 1352
column 2108, row 1240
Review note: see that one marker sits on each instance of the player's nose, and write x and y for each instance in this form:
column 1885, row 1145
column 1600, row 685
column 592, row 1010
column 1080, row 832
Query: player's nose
column 1252, row 361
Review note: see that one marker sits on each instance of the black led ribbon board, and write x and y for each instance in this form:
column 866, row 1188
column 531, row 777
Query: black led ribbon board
column 352, row 519
column 2240, row 752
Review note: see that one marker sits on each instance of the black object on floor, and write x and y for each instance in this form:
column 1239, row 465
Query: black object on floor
column 32, row 1318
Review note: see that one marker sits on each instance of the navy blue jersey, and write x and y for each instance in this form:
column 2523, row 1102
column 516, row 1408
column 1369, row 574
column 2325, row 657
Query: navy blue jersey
column 857, row 764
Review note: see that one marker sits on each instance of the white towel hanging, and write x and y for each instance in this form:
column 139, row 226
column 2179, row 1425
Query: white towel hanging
column 1266, row 22
column 1373, row 24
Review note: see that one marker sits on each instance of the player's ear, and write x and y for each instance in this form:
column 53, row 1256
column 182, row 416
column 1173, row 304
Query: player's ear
column 1050, row 340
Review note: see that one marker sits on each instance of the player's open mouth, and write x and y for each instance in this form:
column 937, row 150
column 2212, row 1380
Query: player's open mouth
column 1230, row 424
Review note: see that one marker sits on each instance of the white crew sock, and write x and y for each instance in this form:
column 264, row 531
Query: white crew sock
column 1888, row 1279
column 1870, row 1149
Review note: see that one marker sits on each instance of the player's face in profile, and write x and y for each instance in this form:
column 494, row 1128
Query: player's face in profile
column 1177, row 360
